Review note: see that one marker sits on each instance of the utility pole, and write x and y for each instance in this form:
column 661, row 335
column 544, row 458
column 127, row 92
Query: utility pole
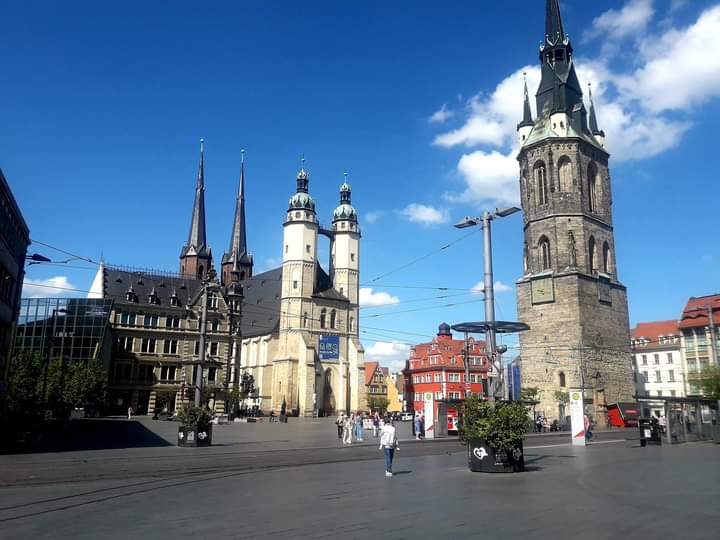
column 466, row 359
column 201, row 348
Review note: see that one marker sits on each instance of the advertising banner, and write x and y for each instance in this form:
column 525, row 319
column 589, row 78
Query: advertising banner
column 329, row 348
column 577, row 418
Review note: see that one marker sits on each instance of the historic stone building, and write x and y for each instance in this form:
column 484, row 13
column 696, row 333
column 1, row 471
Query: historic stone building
column 296, row 331
column 569, row 294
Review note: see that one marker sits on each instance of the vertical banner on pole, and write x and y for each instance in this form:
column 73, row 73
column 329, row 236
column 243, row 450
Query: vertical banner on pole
column 429, row 418
column 577, row 418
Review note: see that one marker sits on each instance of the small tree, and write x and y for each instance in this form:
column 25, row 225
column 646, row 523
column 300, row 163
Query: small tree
column 191, row 415
column 562, row 397
column 529, row 393
column 501, row 424
column 25, row 375
column 85, row 386
column 708, row 381
column 380, row 403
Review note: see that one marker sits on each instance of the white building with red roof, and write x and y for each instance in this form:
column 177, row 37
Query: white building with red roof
column 699, row 326
column 658, row 364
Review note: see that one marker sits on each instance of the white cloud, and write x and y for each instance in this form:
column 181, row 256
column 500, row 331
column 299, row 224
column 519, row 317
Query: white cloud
column 498, row 287
column 632, row 18
column 442, row 115
column 490, row 177
column 48, row 288
column 369, row 298
column 373, row 217
column 389, row 353
column 427, row 215
column 644, row 110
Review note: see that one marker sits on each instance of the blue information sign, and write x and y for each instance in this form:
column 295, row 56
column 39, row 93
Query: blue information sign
column 330, row 348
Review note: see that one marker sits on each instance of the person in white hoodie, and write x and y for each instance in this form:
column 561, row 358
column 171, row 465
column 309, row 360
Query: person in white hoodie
column 388, row 443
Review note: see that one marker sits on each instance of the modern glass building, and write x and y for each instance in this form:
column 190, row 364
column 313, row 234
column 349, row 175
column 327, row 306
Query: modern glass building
column 74, row 329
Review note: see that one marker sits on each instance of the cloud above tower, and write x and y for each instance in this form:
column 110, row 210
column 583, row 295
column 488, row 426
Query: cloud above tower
column 645, row 109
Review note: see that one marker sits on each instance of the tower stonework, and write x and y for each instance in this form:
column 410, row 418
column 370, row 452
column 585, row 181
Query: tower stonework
column 569, row 293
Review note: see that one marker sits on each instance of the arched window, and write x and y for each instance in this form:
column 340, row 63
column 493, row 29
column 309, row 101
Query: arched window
column 332, row 319
column 215, row 325
column 591, row 255
column 541, row 183
column 606, row 258
column 561, row 377
column 200, row 271
column 304, row 319
column 592, row 186
column 352, row 324
column 323, row 314
column 544, row 249
column 565, row 173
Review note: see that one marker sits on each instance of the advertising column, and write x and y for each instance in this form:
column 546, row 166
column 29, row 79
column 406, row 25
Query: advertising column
column 429, row 416
column 577, row 418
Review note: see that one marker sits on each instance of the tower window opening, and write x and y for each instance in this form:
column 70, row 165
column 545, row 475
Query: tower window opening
column 286, row 248
column 544, row 246
column 565, row 173
column 332, row 319
column 295, row 284
column 606, row 258
column 541, row 182
column 323, row 314
column 352, row 257
column 591, row 255
column 561, row 377
column 200, row 271
column 592, row 187
column 307, row 248
column 305, row 319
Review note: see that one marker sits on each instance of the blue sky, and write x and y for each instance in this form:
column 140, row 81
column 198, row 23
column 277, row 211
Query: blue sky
column 103, row 106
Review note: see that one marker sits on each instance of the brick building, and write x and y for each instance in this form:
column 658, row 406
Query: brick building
column 436, row 370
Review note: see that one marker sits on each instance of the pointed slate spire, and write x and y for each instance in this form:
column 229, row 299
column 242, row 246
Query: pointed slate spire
column 527, row 113
column 195, row 255
column 593, row 119
column 237, row 260
column 197, row 238
column 554, row 32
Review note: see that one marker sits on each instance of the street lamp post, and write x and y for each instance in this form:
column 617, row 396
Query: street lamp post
column 233, row 297
column 488, row 289
column 207, row 283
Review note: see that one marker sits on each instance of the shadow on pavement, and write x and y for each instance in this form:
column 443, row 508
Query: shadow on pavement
column 94, row 434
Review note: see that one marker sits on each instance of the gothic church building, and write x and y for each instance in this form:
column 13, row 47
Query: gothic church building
column 569, row 294
column 288, row 314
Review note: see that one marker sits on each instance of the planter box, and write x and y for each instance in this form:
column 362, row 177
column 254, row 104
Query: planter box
column 193, row 436
column 482, row 458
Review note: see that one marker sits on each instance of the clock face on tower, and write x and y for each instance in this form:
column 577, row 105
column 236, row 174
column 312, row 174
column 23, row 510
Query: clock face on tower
column 542, row 290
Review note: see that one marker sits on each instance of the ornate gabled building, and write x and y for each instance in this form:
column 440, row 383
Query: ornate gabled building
column 298, row 331
column 570, row 294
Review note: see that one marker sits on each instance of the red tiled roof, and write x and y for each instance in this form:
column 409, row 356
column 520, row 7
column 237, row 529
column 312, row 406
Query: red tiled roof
column 652, row 330
column 447, row 348
column 370, row 368
column 695, row 313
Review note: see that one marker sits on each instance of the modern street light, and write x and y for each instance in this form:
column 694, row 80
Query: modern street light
column 36, row 258
column 488, row 289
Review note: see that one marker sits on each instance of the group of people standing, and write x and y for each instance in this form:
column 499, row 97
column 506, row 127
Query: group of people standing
column 353, row 426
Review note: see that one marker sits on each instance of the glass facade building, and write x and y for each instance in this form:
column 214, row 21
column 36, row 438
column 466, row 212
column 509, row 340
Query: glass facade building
column 74, row 329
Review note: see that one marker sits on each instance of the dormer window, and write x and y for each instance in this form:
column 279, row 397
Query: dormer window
column 174, row 300
column 153, row 297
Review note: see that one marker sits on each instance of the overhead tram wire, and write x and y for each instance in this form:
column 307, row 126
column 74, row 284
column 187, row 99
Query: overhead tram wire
column 423, row 257
column 60, row 250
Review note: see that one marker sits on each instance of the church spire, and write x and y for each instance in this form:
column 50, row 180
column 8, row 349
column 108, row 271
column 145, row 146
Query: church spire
column 236, row 262
column 559, row 90
column 527, row 113
column 554, row 32
column 593, row 119
column 196, row 248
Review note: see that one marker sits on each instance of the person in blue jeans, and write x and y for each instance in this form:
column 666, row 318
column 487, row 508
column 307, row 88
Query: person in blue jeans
column 359, row 431
column 388, row 444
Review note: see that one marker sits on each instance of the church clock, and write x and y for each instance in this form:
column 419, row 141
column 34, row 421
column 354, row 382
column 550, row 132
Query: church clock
column 542, row 290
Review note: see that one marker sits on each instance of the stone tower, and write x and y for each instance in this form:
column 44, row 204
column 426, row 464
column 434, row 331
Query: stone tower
column 346, row 254
column 237, row 263
column 196, row 256
column 569, row 293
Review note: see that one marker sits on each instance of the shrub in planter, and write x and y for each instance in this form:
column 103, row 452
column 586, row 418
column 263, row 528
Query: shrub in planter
column 195, row 428
column 493, row 432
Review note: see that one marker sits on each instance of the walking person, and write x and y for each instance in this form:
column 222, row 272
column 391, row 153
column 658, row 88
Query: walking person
column 376, row 425
column 388, row 444
column 130, row 413
column 588, row 428
column 359, row 431
column 417, row 426
column 348, row 426
column 339, row 424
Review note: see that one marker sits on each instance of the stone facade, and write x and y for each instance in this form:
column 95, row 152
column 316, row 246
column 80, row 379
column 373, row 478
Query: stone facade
column 569, row 294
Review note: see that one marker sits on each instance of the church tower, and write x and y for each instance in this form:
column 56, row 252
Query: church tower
column 196, row 256
column 569, row 294
column 237, row 263
column 346, row 254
